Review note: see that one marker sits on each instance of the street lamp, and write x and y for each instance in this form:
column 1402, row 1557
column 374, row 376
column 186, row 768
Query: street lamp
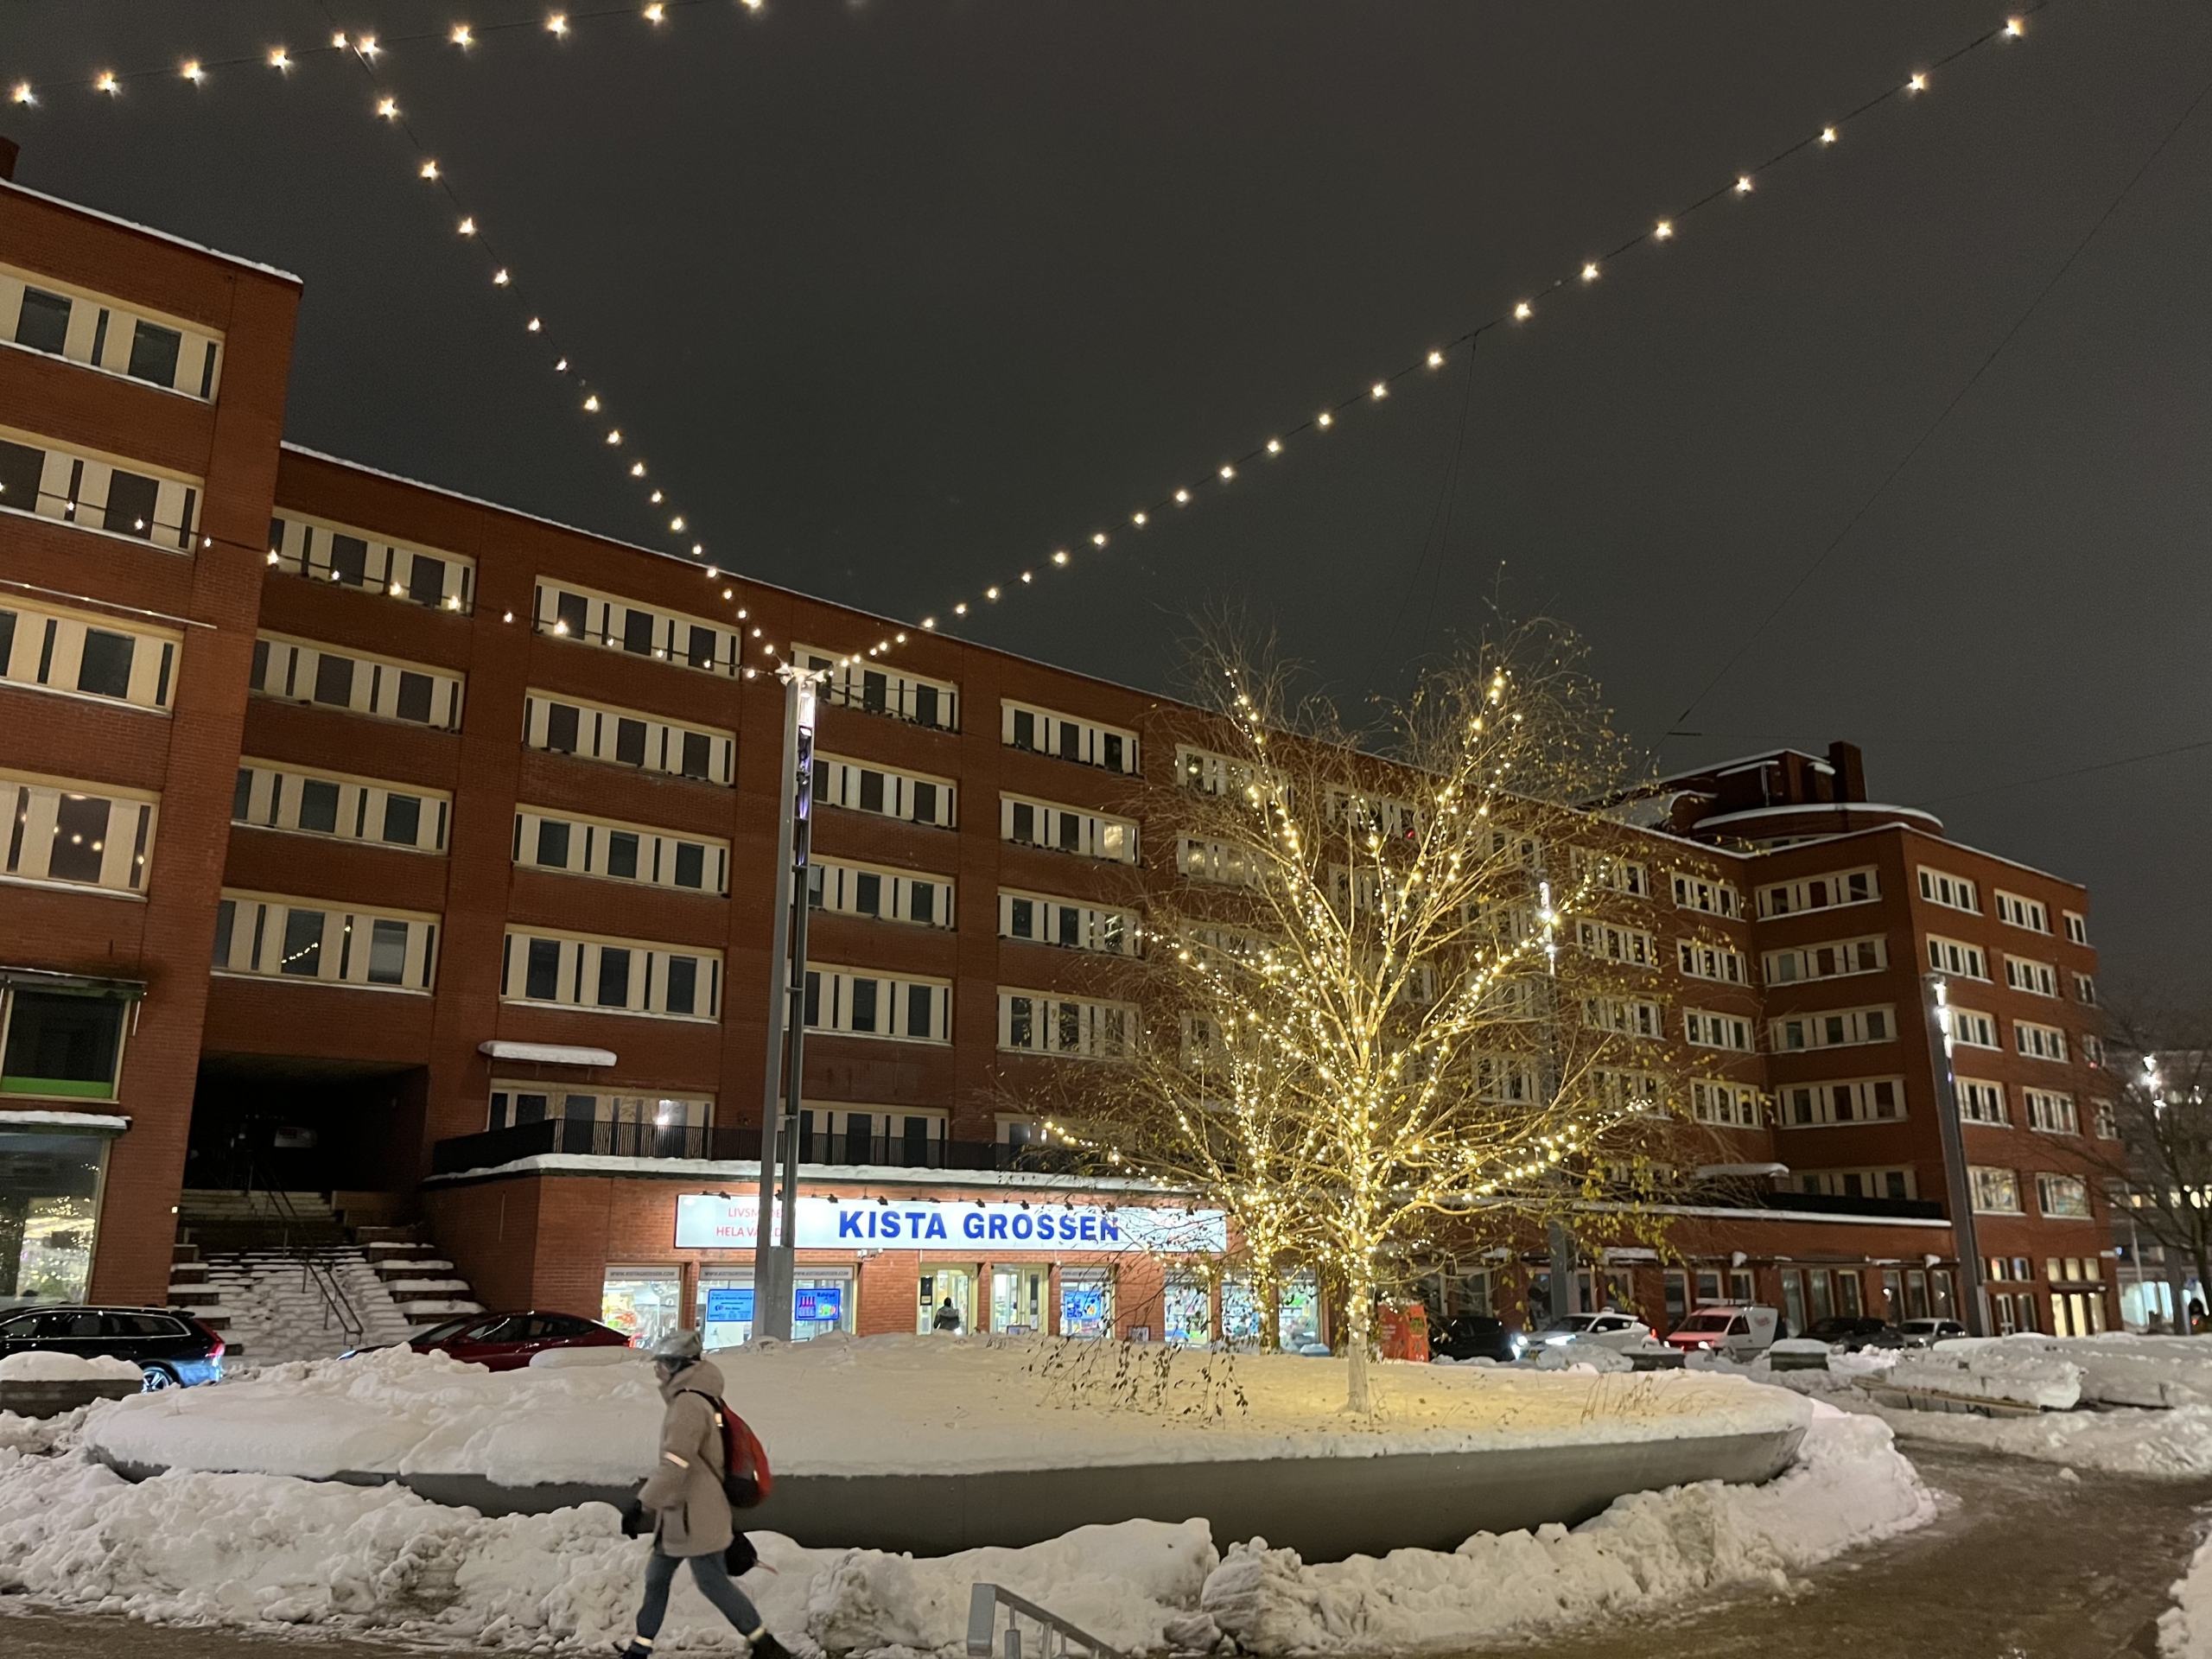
column 1972, row 1293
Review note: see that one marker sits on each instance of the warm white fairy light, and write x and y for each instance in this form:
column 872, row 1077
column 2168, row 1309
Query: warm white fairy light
column 428, row 170
column 1744, row 185
column 193, row 72
column 614, row 436
column 1435, row 361
column 388, row 108
column 21, row 93
column 656, row 12
column 1663, row 229
column 499, row 277
column 107, row 83
column 1918, row 84
column 279, row 59
column 1827, row 135
column 460, row 35
column 559, row 24
column 1381, row 388
column 1590, row 272
column 1523, row 311
column 469, row 226
column 591, row 403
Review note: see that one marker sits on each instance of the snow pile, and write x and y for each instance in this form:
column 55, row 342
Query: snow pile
column 1997, row 1371
column 2185, row 1629
column 1579, row 1356
column 2174, row 1445
column 1848, row 1487
column 2116, row 1369
column 933, row 1405
column 34, row 1366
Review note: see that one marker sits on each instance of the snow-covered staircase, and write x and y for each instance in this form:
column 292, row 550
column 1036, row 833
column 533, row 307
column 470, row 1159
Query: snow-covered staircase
column 278, row 1275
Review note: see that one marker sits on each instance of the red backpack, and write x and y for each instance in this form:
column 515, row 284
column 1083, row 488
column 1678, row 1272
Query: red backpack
column 747, row 1478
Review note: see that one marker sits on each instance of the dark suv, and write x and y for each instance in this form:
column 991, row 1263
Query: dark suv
column 172, row 1349
column 1851, row 1333
column 1475, row 1336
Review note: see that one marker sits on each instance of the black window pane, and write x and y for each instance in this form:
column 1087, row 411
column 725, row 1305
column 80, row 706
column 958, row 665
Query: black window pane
column 919, row 1002
column 131, row 505
column 1024, row 821
column 1113, row 752
column 59, row 1045
column 426, row 581
column 318, row 805
column 302, row 943
column 226, row 917
column 630, row 742
column 867, row 894
column 20, row 467
column 349, row 560
column 874, row 691
column 1071, row 924
column 683, row 984
column 553, row 844
column 44, row 324
column 864, row 992
column 1025, row 729
column 860, row 1132
column 105, row 665
column 388, row 954
column 414, row 698
column 702, row 648
column 690, row 864
column 543, row 979
column 613, row 978
column 154, row 352
column 560, row 728
column 921, row 902
column 334, row 680
column 622, row 855
column 926, row 705
column 871, row 791
column 813, row 1015
column 80, row 839
column 403, row 820
column 1021, row 918
column 924, row 802
column 637, row 633
column 242, row 796
column 1070, row 833
column 1070, row 741
column 570, row 613
column 697, row 751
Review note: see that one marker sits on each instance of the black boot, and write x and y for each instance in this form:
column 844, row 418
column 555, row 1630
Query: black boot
column 765, row 1646
column 635, row 1650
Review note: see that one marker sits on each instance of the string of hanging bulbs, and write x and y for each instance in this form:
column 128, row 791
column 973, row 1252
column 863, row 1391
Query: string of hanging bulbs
column 1655, row 235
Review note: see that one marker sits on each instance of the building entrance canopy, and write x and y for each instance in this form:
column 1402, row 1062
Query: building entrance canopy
column 707, row 1222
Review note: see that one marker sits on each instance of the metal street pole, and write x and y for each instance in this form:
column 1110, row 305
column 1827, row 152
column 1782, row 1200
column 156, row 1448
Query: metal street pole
column 1974, row 1295
column 774, row 1249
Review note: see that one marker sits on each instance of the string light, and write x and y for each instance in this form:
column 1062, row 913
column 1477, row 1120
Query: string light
column 21, row 94
column 107, row 83
column 558, row 24
column 193, row 72
column 462, row 36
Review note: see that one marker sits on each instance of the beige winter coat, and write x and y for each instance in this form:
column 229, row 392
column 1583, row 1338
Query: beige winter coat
column 685, row 1492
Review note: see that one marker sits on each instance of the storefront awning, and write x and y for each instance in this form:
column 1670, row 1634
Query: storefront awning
column 64, row 1122
column 546, row 1053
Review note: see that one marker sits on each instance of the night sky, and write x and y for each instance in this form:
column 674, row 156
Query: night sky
column 898, row 296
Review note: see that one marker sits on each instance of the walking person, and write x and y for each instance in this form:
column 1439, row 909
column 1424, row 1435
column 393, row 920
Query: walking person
column 691, row 1514
column 948, row 1317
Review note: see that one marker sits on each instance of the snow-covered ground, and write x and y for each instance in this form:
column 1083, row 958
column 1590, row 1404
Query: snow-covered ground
column 32, row 1366
column 2185, row 1631
column 270, row 1549
column 903, row 1404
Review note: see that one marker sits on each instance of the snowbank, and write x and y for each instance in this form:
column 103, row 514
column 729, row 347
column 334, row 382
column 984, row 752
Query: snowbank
column 2115, row 1370
column 2168, row 1444
column 1849, row 1487
column 36, row 1367
column 2185, row 1629
column 1997, row 1371
column 927, row 1405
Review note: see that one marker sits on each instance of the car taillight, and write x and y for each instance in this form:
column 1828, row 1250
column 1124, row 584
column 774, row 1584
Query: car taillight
column 213, row 1335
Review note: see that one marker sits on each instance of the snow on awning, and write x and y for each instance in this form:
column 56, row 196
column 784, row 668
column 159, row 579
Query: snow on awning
column 1709, row 1172
column 77, row 1122
column 547, row 1053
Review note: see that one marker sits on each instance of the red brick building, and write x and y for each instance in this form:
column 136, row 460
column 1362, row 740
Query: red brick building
column 370, row 839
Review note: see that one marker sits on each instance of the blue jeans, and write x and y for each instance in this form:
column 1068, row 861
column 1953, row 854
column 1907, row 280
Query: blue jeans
column 713, row 1582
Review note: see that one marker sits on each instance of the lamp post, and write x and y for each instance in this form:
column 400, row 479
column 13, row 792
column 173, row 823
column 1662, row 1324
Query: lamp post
column 1973, row 1295
column 775, row 1237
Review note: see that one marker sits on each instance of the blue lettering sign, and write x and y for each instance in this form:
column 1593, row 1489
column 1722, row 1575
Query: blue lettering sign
column 849, row 1223
column 1089, row 1226
column 889, row 1220
column 1022, row 1225
column 936, row 1227
column 1110, row 1229
column 729, row 1305
column 823, row 1304
column 972, row 1225
column 915, row 1223
column 998, row 1226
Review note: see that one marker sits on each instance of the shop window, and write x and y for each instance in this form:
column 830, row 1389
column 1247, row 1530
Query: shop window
column 643, row 1303
column 49, row 1205
column 62, row 1043
column 1086, row 1303
column 1186, row 1312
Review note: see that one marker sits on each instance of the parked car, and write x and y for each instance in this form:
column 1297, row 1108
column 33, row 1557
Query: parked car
column 1610, row 1329
column 1737, row 1332
column 1852, row 1332
column 504, row 1342
column 1926, row 1333
column 1475, row 1336
column 171, row 1349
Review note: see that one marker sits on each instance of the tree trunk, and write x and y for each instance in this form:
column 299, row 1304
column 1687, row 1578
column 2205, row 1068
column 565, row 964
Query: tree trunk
column 2202, row 1256
column 1359, row 1308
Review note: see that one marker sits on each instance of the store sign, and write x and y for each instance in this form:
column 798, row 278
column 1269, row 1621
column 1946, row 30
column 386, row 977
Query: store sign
column 822, row 1302
column 706, row 1222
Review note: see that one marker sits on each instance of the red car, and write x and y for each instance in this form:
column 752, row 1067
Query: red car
column 506, row 1342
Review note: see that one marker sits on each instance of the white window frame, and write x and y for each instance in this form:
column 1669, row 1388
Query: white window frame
column 2036, row 978
column 834, row 886
column 1104, row 1030
column 1611, row 872
column 1994, row 1191
column 1952, row 892
column 1109, row 748
column 1703, row 1029
column 74, row 490
column 841, row 782
column 2085, row 990
column 1798, row 1034
column 1981, row 1102
column 2032, row 1041
column 670, row 635
column 675, row 1110
column 254, row 938
column 1957, row 956
column 2048, row 1111
column 1101, row 835
column 300, row 545
column 1839, row 1101
column 591, row 844
column 2077, row 927
column 1972, row 1028
column 1101, row 929
column 1198, row 859
column 1706, row 894
column 44, row 651
column 578, row 959
column 31, row 828
column 1839, row 890
column 1874, row 1182
column 1209, row 773
column 874, row 688
column 285, row 670
column 831, row 1003
column 275, row 791
column 1727, row 1105
column 1628, row 1016
column 2016, row 910
column 1702, row 959
column 1609, row 942
column 598, row 726
column 102, row 331
column 2050, row 1183
column 1829, row 959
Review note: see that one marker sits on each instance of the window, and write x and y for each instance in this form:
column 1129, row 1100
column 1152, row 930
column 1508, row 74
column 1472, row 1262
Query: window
column 911, row 796
column 2051, row 1113
column 1996, row 1191
column 568, row 612
column 2038, row 1042
column 1831, row 961
column 2017, row 911
column 856, row 682
column 2093, row 1049
column 270, row 796
column 624, row 737
column 322, row 551
column 1972, row 1029
column 1066, row 922
column 2063, row 1198
column 1694, row 891
column 1867, row 1100
column 2085, row 990
column 65, row 832
column 859, row 1003
column 41, row 314
column 2107, row 1122
column 61, row 1042
column 298, row 671
column 2077, row 926
column 2037, row 978
column 1039, row 1022
column 1640, row 1092
column 1700, row 960
column 1821, row 893
column 907, row 1136
column 888, row 895
column 1609, row 943
column 76, row 486
column 1953, row 892
column 1706, row 1030
column 1213, row 861
column 1834, row 1028
column 620, row 852
column 1628, row 1015
column 1980, row 1101
column 1731, row 1105
column 1067, row 829
column 1892, row 1184
column 1612, row 873
column 78, row 654
column 1210, row 773
column 1955, row 957
column 1087, row 743
column 648, row 1126
column 313, row 939
column 612, row 976
column 1364, row 814
column 1512, row 1077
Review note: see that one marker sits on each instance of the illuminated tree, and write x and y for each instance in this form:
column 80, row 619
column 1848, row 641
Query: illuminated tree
column 1394, row 997
column 2151, row 1138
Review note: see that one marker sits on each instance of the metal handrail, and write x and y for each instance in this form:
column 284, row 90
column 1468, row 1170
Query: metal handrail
column 314, row 1273
column 984, row 1603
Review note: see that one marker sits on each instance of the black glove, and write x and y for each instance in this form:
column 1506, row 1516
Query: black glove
column 636, row 1523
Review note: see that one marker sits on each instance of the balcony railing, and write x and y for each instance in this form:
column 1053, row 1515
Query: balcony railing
column 577, row 1137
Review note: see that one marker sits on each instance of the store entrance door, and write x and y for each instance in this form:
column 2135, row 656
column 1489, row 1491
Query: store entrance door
column 941, row 1286
column 1018, row 1300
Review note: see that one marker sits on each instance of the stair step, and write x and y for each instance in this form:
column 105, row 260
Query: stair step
column 426, row 1310
column 406, row 1289
column 402, row 1266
